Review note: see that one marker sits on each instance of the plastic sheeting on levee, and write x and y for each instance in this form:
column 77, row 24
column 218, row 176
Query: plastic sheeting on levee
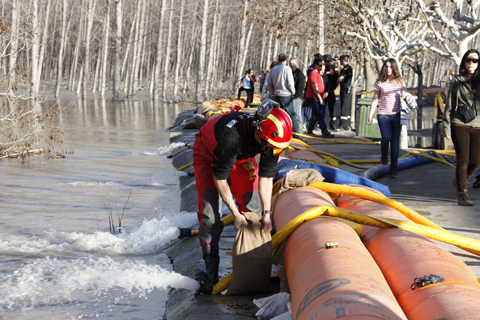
column 330, row 174
column 342, row 282
column 403, row 256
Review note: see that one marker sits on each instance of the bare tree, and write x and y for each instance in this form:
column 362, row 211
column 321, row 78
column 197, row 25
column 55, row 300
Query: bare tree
column 62, row 47
column 105, row 50
column 179, row 49
column 118, row 50
column 242, row 49
column 156, row 76
column 462, row 27
column 167, row 49
column 200, row 92
column 44, row 41
column 12, row 57
column 25, row 126
column 86, row 60
column 35, row 47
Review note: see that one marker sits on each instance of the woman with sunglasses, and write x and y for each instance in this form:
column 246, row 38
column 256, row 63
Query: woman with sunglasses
column 464, row 91
column 390, row 87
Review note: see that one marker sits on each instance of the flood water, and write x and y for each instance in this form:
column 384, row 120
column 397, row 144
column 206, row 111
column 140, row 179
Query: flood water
column 58, row 258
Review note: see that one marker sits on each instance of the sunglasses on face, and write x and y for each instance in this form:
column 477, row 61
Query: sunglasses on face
column 468, row 60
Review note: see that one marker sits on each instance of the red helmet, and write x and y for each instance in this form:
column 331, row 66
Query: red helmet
column 276, row 129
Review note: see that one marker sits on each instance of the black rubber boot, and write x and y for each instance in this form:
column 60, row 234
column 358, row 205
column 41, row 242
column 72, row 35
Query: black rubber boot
column 211, row 266
column 205, row 287
column 208, row 278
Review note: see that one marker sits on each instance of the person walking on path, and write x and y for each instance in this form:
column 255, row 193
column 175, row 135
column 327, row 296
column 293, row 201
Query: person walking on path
column 390, row 88
column 225, row 167
column 314, row 104
column 461, row 124
column 281, row 85
column 248, row 82
column 345, row 81
column 299, row 79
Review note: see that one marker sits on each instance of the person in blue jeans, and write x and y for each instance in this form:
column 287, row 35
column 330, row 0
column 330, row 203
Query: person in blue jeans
column 314, row 104
column 389, row 88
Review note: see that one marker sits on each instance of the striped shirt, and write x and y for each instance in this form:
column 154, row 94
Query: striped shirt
column 390, row 94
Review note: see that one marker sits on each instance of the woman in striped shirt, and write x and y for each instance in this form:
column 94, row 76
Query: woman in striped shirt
column 390, row 87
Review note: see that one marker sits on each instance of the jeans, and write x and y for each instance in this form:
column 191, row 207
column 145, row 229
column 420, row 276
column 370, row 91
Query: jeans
column 287, row 105
column 297, row 104
column 390, row 128
column 318, row 111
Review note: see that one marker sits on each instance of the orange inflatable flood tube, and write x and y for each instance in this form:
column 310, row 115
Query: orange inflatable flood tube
column 404, row 256
column 300, row 154
column 330, row 283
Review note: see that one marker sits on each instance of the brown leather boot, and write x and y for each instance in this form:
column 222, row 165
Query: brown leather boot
column 464, row 198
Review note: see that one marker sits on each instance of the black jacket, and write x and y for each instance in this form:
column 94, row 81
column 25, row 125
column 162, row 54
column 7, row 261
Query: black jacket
column 235, row 136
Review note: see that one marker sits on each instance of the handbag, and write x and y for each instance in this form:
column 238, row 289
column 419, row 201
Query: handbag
column 468, row 112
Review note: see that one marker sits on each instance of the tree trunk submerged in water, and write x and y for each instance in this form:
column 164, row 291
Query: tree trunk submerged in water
column 62, row 46
column 167, row 47
column 179, row 49
column 200, row 92
column 12, row 59
column 86, row 61
column 158, row 60
column 243, row 35
column 35, row 48
column 44, row 42
column 105, row 52
column 117, row 64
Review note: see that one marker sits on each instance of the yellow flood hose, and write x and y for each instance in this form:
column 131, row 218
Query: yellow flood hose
column 373, row 196
column 363, row 140
column 185, row 166
column 441, row 160
column 175, row 153
column 333, row 157
column 468, row 244
column 302, row 142
column 380, row 198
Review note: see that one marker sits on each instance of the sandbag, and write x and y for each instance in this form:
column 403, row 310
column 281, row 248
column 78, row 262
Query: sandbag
column 251, row 258
column 300, row 178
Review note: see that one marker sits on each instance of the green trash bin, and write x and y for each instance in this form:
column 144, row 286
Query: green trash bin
column 364, row 130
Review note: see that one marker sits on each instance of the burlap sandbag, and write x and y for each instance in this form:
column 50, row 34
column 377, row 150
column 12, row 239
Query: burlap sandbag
column 251, row 258
column 300, row 178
